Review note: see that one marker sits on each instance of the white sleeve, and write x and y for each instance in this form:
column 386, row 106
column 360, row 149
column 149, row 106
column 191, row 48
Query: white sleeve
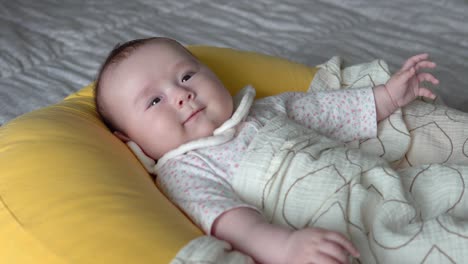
column 197, row 191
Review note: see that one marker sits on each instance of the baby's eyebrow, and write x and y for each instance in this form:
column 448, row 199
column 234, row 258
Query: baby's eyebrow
column 184, row 63
column 142, row 94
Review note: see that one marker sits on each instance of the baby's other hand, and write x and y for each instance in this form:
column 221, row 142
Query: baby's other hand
column 316, row 245
column 405, row 85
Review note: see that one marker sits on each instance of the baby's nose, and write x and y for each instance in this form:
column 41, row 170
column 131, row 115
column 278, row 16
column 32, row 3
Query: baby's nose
column 184, row 97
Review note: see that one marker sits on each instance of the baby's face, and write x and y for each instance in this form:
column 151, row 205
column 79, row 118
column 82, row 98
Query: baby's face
column 162, row 97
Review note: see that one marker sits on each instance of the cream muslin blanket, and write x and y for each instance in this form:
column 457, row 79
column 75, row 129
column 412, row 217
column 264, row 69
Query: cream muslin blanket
column 400, row 197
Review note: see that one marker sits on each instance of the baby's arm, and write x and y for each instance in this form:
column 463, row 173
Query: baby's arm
column 248, row 232
column 404, row 86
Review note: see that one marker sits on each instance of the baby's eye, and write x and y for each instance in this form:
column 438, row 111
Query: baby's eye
column 155, row 101
column 186, row 77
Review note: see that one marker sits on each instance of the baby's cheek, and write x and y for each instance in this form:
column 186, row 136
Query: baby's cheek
column 206, row 128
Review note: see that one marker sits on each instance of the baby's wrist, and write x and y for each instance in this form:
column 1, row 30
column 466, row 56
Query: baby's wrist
column 384, row 103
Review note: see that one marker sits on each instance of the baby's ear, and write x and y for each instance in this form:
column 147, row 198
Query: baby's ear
column 122, row 136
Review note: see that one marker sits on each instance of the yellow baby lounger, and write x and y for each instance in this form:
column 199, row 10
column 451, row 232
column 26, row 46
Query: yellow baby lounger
column 71, row 192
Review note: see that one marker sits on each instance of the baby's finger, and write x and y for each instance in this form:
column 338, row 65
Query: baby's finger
column 334, row 250
column 343, row 242
column 426, row 93
column 425, row 64
column 324, row 258
column 413, row 60
column 424, row 76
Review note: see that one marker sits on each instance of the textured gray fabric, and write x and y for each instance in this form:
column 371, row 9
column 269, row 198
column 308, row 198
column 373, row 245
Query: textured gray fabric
column 49, row 49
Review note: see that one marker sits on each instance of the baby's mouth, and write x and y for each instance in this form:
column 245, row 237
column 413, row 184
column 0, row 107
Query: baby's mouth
column 192, row 115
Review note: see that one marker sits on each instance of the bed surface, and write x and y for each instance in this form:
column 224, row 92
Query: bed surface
column 49, row 49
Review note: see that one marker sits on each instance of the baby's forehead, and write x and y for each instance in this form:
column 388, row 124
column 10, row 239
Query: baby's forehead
column 155, row 49
column 133, row 57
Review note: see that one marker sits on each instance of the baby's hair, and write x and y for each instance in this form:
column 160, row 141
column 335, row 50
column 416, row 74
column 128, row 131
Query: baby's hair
column 120, row 52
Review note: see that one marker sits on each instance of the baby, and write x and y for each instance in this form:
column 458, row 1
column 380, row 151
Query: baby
column 155, row 93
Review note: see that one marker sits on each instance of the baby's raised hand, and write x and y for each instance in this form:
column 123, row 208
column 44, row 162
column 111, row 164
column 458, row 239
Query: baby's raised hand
column 316, row 245
column 405, row 85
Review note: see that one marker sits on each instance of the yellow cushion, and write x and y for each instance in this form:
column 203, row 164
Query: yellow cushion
column 70, row 192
